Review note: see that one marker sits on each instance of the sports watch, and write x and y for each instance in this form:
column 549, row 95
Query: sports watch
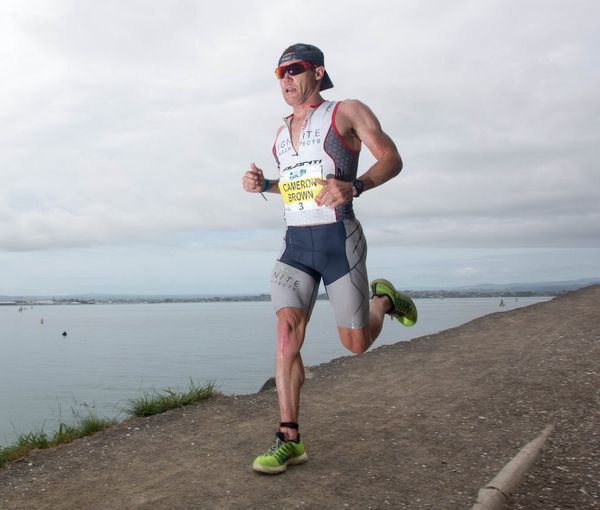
column 357, row 187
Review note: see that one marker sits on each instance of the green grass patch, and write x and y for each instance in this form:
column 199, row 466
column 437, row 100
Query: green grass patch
column 40, row 440
column 157, row 402
column 148, row 404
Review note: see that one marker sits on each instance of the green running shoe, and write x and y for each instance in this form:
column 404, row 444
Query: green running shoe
column 281, row 455
column 404, row 310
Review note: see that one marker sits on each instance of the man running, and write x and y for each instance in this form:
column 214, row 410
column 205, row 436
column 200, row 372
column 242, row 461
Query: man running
column 317, row 152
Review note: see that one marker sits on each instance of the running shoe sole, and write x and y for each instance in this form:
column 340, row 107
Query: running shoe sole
column 281, row 468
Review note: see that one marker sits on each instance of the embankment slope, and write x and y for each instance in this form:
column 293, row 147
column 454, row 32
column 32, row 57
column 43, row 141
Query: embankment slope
column 420, row 424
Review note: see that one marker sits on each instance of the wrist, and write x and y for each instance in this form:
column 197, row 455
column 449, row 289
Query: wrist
column 266, row 185
column 358, row 187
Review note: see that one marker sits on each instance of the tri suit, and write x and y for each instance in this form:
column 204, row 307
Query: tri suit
column 319, row 242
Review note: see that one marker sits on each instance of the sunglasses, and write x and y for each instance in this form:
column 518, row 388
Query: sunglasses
column 293, row 69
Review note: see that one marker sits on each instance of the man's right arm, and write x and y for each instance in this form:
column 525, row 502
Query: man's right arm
column 254, row 181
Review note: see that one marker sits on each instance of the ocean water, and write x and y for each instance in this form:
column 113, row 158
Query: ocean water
column 113, row 353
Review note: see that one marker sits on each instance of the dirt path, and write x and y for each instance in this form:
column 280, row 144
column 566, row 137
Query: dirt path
column 422, row 424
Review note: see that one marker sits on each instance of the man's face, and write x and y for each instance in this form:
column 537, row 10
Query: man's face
column 297, row 88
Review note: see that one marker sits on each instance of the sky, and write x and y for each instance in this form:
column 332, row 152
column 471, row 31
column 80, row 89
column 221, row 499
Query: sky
column 126, row 126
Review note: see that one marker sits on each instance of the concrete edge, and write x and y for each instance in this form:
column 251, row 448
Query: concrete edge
column 497, row 492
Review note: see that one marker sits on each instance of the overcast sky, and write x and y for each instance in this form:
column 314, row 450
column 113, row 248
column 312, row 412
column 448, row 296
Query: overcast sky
column 125, row 128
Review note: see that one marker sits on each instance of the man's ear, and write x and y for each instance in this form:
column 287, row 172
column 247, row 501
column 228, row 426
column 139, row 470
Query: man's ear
column 319, row 72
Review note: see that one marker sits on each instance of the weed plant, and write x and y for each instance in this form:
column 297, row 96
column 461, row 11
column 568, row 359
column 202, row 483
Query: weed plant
column 157, row 402
column 148, row 404
column 40, row 440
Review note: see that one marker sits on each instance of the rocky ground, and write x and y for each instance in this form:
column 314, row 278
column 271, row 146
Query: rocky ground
column 420, row 424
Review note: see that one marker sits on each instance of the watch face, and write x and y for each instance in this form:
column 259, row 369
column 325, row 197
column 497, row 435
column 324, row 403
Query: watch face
column 358, row 187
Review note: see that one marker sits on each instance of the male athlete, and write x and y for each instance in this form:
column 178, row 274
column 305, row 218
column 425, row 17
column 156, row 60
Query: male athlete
column 317, row 156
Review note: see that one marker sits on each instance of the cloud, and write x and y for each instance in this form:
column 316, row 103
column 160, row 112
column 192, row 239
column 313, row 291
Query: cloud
column 130, row 124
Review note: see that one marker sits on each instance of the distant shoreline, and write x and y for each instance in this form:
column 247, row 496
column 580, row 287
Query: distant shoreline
column 115, row 300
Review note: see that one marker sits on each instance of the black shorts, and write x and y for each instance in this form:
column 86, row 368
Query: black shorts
column 335, row 253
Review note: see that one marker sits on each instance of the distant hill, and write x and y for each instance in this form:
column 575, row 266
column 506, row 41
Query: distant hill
column 479, row 290
column 562, row 286
column 507, row 290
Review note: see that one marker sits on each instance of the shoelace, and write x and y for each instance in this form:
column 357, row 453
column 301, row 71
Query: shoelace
column 278, row 442
column 276, row 445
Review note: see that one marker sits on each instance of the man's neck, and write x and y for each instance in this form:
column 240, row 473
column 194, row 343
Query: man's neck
column 301, row 110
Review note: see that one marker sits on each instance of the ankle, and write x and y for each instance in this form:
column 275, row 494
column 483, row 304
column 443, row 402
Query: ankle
column 289, row 429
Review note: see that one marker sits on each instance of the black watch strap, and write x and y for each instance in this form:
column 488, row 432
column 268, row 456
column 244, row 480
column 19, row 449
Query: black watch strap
column 357, row 187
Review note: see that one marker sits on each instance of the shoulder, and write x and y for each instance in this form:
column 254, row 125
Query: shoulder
column 354, row 112
column 353, row 107
column 354, row 115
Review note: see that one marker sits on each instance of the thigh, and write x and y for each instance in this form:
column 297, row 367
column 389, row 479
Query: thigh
column 349, row 294
column 349, row 297
column 293, row 288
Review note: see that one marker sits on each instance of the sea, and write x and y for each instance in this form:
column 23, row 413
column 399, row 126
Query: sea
column 58, row 362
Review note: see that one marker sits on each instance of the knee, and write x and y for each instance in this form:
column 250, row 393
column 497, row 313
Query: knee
column 357, row 347
column 356, row 341
column 291, row 326
column 291, row 321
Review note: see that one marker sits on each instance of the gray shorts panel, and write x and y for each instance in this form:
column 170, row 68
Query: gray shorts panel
column 291, row 287
column 348, row 294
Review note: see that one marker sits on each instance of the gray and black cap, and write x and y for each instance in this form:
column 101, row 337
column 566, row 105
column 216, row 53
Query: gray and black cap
column 307, row 53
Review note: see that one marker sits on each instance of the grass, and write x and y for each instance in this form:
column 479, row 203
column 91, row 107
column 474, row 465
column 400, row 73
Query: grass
column 157, row 402
column 40, row 440
column 148, row 404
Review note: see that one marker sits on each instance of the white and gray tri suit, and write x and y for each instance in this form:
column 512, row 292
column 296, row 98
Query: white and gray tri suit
column 319, row 242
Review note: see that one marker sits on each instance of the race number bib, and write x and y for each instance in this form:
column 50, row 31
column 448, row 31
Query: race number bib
column 299, row 188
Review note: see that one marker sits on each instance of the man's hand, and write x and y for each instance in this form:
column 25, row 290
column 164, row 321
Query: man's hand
column 253, row 180
column 334, row 192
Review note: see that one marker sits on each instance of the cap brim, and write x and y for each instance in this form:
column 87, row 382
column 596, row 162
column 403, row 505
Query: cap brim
column 326, row 82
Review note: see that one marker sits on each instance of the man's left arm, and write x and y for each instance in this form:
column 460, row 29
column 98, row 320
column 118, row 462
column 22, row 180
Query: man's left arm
column 366, row 127
column 357, row 123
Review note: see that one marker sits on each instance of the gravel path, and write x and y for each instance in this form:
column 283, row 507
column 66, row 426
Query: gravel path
column 420, row 424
